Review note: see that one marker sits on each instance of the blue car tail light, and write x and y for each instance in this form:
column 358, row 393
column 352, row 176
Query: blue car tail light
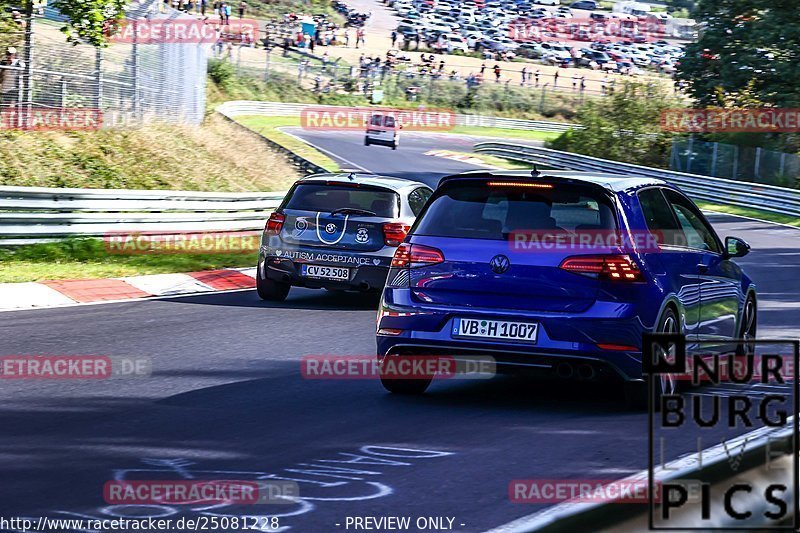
column 415, row 255
column 608, row 267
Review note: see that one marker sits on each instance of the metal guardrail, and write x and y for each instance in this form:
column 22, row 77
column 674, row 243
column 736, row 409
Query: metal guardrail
column 33, row 214
column 720, row 191
column 37, row 214
column 282, row 109
column 712, row 467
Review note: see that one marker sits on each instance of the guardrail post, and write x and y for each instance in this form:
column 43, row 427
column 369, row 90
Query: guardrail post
column 714, row 159
column 27, row 81
column 757, row 166
column 674, row 156
column 63, row 98
column 541, row 102
column 266, row 67
column 137, row 104
column 98, row 62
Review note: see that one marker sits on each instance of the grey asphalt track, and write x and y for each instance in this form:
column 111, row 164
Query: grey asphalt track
column 408, row 161
column 227, row 400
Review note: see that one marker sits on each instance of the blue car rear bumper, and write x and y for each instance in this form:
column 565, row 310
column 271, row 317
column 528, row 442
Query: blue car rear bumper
column 562, row 337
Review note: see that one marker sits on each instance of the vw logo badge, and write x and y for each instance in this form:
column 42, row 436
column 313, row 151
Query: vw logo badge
column 330, row 229
column 499, row 264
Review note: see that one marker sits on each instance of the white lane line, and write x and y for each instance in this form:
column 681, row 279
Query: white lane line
column 466, row 159
column 323, row 150
column 126, row 300
column 248, row 271
column 30, row 295
column 167, row 284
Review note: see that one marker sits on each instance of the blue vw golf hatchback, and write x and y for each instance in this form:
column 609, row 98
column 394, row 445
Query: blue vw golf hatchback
column 561, row 273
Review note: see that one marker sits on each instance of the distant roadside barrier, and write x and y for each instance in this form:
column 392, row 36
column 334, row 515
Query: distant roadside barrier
column 38, row 214
column 720, row 191
column 281, row 109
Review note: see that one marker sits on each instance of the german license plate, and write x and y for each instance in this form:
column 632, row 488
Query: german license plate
column 495, row 329
column 325, row 272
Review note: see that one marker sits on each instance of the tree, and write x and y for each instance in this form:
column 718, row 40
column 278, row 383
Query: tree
column 89, row 20
column 625, row 126
column 748, row 56
column 10, row 32
column 747, row 47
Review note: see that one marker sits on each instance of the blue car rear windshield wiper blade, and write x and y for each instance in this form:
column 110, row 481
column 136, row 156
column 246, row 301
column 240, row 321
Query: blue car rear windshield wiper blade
column 354, row 211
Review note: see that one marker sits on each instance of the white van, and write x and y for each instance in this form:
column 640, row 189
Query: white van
column 383, row 129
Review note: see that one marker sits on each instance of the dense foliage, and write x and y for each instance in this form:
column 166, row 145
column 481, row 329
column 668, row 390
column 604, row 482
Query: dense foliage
column 625, row 126
column 748, row 56
column 89, row 20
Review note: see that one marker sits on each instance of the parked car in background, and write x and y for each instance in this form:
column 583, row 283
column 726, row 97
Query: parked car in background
column 530, row 50
column 589, row 5
column 589, row 56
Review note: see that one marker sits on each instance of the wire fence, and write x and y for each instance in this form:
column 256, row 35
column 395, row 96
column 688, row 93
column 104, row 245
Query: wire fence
column 741, row 163
column 128, row 83
column 394, row 81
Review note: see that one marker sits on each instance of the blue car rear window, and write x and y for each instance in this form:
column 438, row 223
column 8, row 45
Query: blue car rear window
column 327, row 198
column 478, row 211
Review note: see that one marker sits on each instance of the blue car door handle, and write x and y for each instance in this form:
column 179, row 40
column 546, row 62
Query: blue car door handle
column 702, row 268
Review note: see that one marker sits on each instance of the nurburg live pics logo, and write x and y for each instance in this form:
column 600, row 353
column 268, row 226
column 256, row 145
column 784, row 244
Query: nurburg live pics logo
column 757, row 395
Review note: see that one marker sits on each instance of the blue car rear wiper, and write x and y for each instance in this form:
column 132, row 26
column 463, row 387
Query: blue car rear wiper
column 354, row 211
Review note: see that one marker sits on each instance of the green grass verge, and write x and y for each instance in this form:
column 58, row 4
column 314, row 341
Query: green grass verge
column 88, row 258
column 502, row 163
column 491, row 160
column 267, row 126
column 534, row 135
column 157, row 156
column 752, row 213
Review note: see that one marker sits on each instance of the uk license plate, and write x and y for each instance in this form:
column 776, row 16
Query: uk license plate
column 325, row 272
column 495, row 329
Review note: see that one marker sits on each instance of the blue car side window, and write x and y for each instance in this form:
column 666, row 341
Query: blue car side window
column 699, row 235
column 660, row 218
